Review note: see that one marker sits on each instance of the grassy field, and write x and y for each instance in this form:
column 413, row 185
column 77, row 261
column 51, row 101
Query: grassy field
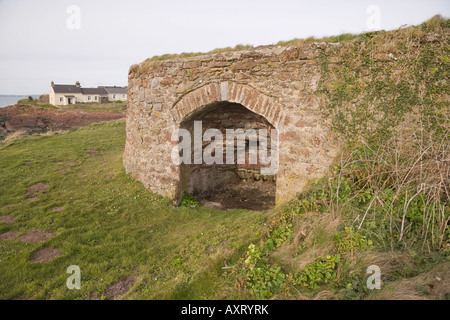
column 132, row 244
column 110, row 226
column 108, row 107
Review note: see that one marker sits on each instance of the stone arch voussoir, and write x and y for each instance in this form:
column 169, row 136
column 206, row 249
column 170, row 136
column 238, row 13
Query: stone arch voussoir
column 245, row 95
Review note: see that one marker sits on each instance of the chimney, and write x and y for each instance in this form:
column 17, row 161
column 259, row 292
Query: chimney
column 52, row 83
column 77, row 84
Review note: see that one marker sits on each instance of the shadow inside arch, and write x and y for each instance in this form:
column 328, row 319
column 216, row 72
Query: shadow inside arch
column 227, row 186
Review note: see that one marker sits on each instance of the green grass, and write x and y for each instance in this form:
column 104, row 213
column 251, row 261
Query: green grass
column 109, row 107
column 35, row 104
column 110, row 228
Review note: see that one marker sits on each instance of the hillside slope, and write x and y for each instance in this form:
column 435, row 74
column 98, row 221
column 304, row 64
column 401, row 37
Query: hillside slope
column 386, row 200
column 66, row 200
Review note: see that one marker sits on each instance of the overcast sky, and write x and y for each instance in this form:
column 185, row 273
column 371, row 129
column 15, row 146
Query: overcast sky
column 96, row 41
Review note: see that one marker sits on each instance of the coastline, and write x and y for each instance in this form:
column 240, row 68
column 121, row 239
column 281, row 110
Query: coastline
column 40, row 120
column 7, row 100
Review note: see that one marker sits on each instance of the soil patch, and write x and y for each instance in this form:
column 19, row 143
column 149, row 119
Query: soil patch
column 36, row 236
column 120, row 288
column 211, row 248
column 45, row 255
column 71, row 164
column 94, row 153
column 62, row 171
column 9, row 235
column 58, row 209
column 110, row 176
column 37, row 188
column 7, row 219
column 256, row 195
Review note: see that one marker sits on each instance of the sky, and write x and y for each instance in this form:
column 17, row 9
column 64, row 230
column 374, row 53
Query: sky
column 96, row 41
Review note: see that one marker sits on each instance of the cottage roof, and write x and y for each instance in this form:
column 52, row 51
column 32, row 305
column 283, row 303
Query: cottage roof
column 66, row 88
column 94, row 91
column 101, row 90
column 116, row 90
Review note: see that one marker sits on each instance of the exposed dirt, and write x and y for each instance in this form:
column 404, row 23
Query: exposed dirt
column 36, row 236
column 37, row 120
column 45, row 255
column 40, row 187
column 58, row 209
column 9, row 235
column 120, row 288
column 71, row 164
column 62, row 171
column 212, row 249
column 94, row 153
column 257, row 195
column 7, row 219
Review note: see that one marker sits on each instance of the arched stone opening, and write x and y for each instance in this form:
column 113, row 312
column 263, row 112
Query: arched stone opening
column 276, row 83
column 226, row 184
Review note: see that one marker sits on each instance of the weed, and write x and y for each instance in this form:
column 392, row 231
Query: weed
column 351, row 241
column 321, row 271
column 262, row 281
column 188, row 201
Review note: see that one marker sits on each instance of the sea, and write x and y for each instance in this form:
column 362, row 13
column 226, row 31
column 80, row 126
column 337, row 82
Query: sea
column 9, row 100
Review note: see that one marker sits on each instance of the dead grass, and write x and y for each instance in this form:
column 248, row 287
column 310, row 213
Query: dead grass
column 313, row 238
column 14, row 136
column 389, row 262
column 52, row 133
column 431, row 285
column 21, row 132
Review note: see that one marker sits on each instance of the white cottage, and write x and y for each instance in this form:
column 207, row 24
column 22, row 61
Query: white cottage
column 66, row 94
